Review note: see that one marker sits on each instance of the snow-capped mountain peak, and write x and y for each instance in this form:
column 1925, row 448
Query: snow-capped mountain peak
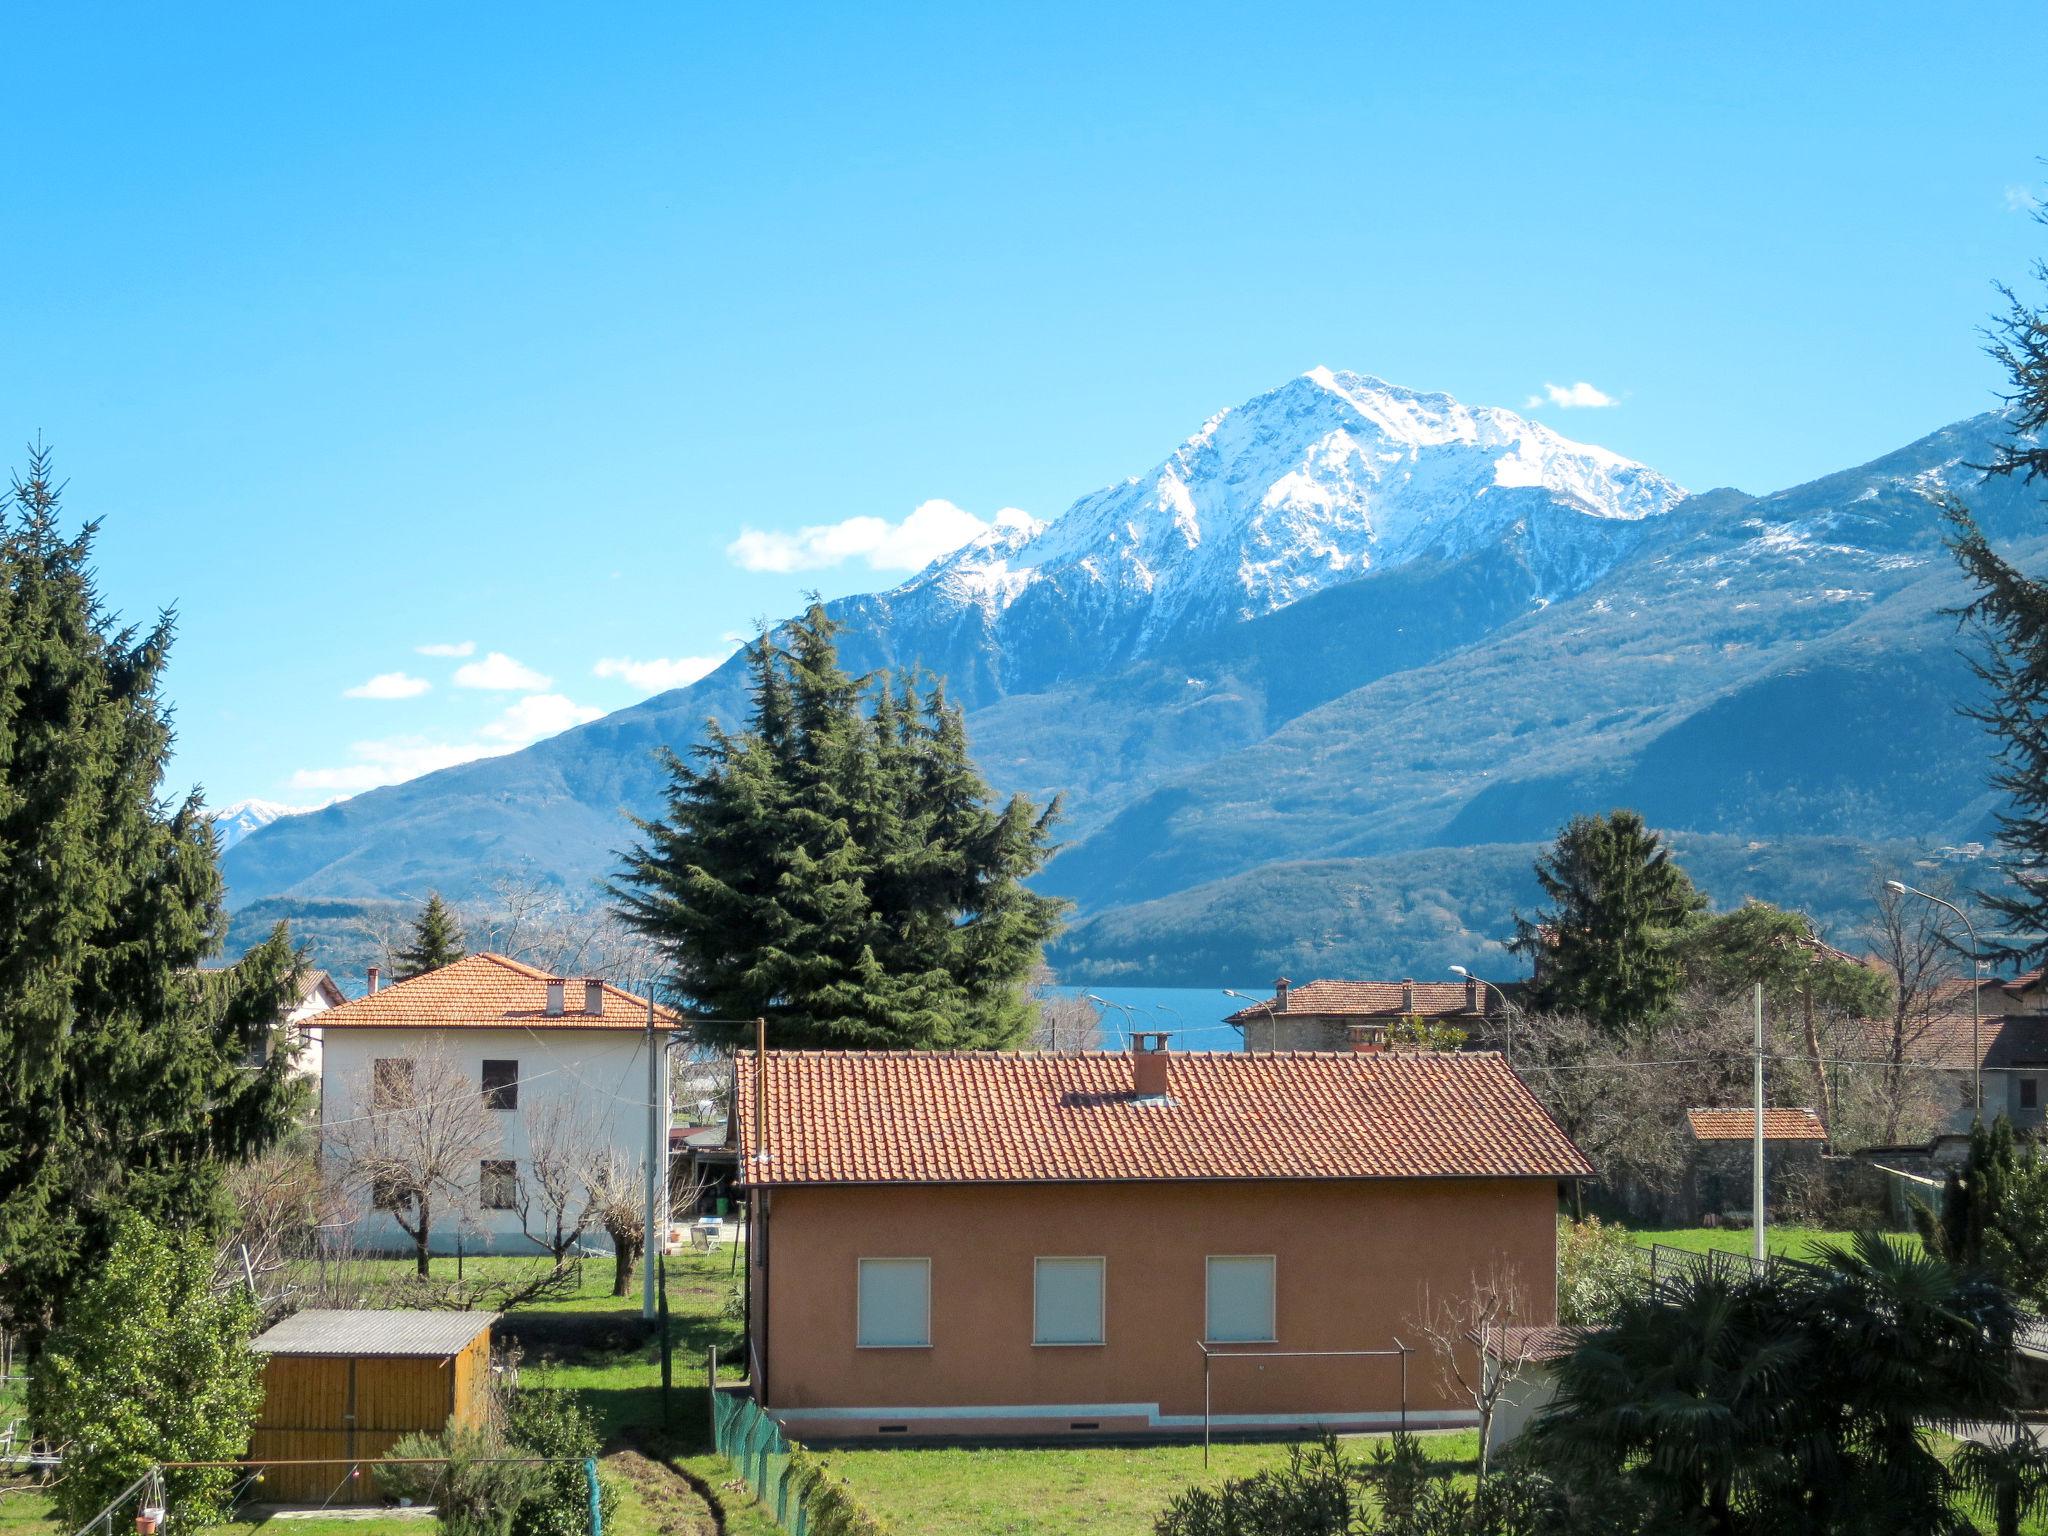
column 232, row 823
column 1320, row 481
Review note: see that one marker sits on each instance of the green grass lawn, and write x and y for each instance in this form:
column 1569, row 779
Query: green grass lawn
column 1792, row 1242
column 1084, row 1490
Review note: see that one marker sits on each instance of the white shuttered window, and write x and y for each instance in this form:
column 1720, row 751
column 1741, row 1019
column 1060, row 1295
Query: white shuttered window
column 1241, row 1299
column 1066, row 1301
column 895, row 1303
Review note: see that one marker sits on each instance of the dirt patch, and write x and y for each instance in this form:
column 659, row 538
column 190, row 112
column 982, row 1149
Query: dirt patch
column 669, row 1506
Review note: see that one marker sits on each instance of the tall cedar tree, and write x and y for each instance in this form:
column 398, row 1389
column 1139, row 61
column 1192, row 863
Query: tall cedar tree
column 2010, row 613
column 1606, row 948
column 129, row 1075
column 837, row 867
column 436, row 940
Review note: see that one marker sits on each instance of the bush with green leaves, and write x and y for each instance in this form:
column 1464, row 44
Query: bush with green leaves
column 1599, row 1268
column 149, row 1365
column 544, row 1421
column 462, row 1473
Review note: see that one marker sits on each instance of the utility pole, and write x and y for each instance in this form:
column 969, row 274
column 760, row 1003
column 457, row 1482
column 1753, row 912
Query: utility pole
column 1756, row 1191
column 657, row 1158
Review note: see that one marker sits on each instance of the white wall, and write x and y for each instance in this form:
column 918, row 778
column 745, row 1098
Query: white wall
column 603, row 1071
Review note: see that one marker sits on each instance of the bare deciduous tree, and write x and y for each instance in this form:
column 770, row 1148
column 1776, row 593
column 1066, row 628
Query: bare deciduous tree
column 554, row 1206
column 1065, row 1022
column 415, row 1139
column 532, row 919
column 1480, row 1340
column 618, row 1196
column 1913, row 941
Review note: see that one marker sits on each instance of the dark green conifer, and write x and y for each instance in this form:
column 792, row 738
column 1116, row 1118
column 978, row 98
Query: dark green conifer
column 838, row 869
column 1606, row 948
column 436, row 941
column 129, row 1075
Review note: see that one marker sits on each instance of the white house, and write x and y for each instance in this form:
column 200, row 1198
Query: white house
column 320, row 994
column 541, row 1051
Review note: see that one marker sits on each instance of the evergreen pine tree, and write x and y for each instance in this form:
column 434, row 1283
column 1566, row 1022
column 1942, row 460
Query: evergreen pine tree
column 837, row 868
column 436, row 941
column 128, row 1074
column 1606, row 946
column 2010, row 614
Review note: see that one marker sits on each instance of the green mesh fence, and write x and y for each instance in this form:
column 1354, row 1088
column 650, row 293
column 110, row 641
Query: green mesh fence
column 757, row 1447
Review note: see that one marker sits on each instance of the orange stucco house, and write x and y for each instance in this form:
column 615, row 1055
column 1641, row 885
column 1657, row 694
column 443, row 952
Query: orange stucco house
column 985, row 1244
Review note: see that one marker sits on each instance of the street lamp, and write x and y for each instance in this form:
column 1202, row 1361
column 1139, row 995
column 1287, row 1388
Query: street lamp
column 1273, row 1027
column 1507, row 1007
column 1899, row 887
column 1123, row 1008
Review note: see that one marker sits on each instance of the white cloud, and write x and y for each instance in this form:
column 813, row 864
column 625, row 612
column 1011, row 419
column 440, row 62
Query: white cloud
column 538, row 715
column 1573, row 396
column 388, row 685
column 2020, row 199
column 458, row 648
column 935, row 528
column 501, row 674
column 657, row 672
column 394, row 759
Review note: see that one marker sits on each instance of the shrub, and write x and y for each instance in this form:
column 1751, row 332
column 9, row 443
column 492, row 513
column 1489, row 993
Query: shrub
column 543, row 1421
column 149, row 1365
column 1599, row 1269
column 473, row 1494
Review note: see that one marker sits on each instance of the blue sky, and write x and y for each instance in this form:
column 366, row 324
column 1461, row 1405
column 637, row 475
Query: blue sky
column 374, row 328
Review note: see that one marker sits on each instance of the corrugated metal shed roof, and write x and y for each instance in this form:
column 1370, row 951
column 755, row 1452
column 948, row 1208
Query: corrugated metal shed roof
column 318, row 1331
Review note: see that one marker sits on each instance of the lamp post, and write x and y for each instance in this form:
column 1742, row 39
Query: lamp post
column 1976, row 989
column 1123, row 1008
column 1507, row 1007
column 1273, row 1028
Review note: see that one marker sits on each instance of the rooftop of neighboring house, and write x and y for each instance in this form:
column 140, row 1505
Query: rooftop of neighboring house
column 1372, row 999
column 321, row 987
column 928, row 1117
column 1944, row 1040
column 1739, row 1124
column 485, row 991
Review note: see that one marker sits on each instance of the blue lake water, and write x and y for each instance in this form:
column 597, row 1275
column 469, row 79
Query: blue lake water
column 1192, row 1015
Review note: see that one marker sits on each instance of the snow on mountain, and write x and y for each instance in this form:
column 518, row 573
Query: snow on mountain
column 232, row 823
column 1314, row 483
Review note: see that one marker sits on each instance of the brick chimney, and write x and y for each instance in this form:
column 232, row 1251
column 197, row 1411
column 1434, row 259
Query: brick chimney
column 1471, row 994
column 1407, row 997
column 1280, row 994
column 556, row 987
column 593, row 995
column 1367, row 1037
column 1151, row 1065
column 375, row 972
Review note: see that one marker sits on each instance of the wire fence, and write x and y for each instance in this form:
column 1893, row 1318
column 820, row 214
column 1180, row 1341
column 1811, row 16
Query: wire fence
column 762, row 1454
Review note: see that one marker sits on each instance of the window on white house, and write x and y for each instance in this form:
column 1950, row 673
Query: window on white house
column 501, row 1084
column 1066, row 1301
column 2030, row 1093
column 895, row 1303
column 1240, row 1299
column 498, row 1188
column 391, row 1082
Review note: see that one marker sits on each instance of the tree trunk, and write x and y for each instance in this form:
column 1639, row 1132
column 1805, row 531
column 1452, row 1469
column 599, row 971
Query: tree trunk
column 1823, row 1100
column 625, row 1253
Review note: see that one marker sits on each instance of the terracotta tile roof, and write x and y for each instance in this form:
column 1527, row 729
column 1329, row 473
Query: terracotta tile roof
column 1943, row 1040
column 1433, row 1000
column 1539, row 1344
column 1740, row 1125
column 487, row 991
column 875, row 1117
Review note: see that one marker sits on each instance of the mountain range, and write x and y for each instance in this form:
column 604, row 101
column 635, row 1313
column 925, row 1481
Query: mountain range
column 1315, row 689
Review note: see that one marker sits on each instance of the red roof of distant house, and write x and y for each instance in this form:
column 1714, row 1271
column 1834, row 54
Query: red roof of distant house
column 1944, row 1040
column 487, row 991
column 1431, row 1000
column 1537, row 1344
column 1740, row 1125
column 924, row 1117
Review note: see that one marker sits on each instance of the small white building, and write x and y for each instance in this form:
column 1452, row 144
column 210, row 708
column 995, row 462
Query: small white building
column 552, row 1058
column 302, row 1034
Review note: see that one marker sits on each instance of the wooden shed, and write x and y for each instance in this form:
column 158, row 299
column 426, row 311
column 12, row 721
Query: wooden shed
column 349, row 1385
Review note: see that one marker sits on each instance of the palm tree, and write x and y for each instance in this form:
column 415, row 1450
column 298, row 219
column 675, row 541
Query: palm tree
column 2010, row 1474
column 1797, row 1398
